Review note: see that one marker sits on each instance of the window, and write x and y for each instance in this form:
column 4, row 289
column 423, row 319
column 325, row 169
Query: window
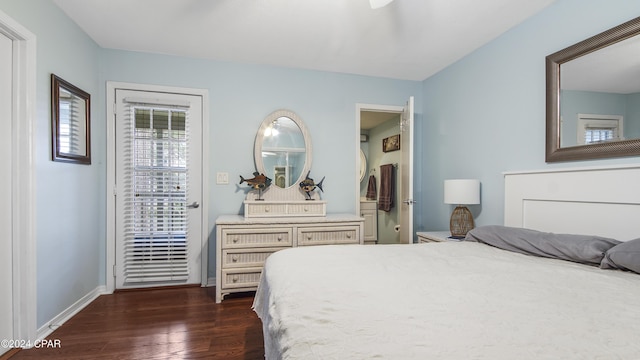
column 593, row 129
column 157, row 229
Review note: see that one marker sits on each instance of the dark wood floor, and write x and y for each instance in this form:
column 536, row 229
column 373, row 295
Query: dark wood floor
column 176, row 323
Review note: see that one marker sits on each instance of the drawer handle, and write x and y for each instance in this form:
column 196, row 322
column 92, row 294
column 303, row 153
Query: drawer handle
column 235, row 279
column 266, row 209
column 308, row 237
column 280, row 238
column 234, row 259
column 348, row 236
column 235, row 240
column 306, row 209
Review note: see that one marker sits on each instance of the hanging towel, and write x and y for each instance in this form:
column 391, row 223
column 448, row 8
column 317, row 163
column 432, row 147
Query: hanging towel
column 371, row 188
column 387, row 186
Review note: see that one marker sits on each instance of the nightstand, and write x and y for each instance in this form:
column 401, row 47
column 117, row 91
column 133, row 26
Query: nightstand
column 434, row 236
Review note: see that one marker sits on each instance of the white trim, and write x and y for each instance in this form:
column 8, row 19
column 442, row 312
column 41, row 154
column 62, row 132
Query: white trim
column 576, row 169
column 211, row 282
column 57, row 321
column 111, row 174
column 23, row 178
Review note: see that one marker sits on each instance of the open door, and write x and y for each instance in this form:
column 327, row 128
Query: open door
column 406, row 174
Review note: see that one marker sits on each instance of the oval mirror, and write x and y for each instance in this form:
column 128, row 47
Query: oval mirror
column 283, row 148
column 363, row 165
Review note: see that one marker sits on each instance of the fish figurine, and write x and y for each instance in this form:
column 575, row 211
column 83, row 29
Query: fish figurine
column 258, row 182
column 308, row 185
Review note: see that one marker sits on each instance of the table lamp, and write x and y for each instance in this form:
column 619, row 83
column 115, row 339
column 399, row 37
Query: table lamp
column 461, row 192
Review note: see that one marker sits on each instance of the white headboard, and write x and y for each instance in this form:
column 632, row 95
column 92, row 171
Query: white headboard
column 591, row 201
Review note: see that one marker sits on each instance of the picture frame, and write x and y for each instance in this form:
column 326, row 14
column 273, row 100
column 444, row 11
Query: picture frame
column 70, row 123
column 391, row 143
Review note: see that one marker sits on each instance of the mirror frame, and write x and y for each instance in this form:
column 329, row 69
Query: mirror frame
column 56, row 84
column 257, row 149
column 554, row 151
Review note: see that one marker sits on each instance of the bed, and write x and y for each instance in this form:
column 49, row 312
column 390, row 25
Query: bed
column 476, row 299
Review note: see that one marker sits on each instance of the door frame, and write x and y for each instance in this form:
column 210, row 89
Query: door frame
column 23, row 201
column 395, row 109
column 111, row 173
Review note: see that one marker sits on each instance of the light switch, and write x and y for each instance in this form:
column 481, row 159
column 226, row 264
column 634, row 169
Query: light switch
column 222, row 178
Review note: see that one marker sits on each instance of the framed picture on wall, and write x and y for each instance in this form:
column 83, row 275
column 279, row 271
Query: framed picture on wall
column 391, row 143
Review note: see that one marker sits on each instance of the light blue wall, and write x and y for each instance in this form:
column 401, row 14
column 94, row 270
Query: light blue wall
column 477, row 118
column 632, row 122
column 241, row 96
column 486, row 114
column 70, row 199
column 587, row 102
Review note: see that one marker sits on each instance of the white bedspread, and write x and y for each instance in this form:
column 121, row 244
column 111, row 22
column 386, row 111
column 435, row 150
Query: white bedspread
column 443, row 301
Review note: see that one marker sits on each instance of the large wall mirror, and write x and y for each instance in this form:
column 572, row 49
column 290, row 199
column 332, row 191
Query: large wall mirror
column 593, row 97
column 70, row 122
column 283, row 148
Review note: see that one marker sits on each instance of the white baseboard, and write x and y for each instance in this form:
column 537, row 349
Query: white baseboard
column 211, row 282
column 69, row 312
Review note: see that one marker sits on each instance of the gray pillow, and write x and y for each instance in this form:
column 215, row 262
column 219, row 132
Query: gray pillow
column 625, row 256
column 585, row 249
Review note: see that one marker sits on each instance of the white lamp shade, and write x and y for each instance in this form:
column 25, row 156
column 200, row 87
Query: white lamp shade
column 462, row 191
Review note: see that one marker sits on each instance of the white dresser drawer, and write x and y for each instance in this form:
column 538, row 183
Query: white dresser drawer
column 258, row 237
column 244, row 244
column 309, row 208
column 241, row 278
column 262, row 209
column 328, row 235
column 267, row 209
column 236, row 258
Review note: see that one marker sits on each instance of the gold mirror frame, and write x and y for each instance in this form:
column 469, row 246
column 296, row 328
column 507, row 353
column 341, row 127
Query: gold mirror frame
column 554, row 151
column 61, row 129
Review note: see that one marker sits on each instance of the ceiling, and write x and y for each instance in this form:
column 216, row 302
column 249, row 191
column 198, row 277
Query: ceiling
column 371, row 119
column 407, row 39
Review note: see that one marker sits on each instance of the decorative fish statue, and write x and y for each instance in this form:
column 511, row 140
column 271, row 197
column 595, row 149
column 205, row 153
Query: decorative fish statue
column 258, row 182
column 308, row 185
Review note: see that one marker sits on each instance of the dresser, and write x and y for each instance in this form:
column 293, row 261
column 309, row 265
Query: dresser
column 244, row 243
column 278, row 214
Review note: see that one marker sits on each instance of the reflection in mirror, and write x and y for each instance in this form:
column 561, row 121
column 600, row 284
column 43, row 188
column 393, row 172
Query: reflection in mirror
column 282, row 148
column 70, row 109
column 363, row 165
column 593, row 97
column 600, row 95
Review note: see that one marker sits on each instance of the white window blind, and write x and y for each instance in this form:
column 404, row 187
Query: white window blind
column 156, row 193
column 596, row 135
column 72, row 109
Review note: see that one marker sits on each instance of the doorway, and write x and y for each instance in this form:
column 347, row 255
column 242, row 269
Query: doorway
column 17, row 190
column 6, row 256
column 157, row 212
column 381, row 125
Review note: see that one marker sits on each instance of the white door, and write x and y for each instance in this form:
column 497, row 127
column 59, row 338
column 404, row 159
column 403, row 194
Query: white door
column 6, row 212
column 406, row 174
column 158, row 189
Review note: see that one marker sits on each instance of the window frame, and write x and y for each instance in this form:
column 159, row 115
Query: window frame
column 586, row 121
